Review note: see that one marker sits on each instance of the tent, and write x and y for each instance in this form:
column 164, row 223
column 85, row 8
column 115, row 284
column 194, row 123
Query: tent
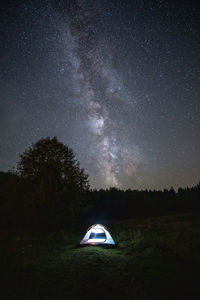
column 97, row 234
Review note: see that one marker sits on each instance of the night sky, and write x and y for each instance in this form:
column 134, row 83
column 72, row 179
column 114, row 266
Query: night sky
column 117, row 81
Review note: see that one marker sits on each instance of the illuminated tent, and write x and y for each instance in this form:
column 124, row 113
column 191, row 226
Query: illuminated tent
column 97, row 234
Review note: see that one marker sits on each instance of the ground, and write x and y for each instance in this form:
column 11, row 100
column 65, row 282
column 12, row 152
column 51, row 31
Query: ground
column 155, row 258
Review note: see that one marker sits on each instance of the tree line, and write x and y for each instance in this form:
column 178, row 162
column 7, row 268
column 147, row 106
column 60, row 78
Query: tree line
column 124, row 204
column 49, row 188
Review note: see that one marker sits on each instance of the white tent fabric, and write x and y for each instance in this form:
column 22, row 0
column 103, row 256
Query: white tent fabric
column 97, row 235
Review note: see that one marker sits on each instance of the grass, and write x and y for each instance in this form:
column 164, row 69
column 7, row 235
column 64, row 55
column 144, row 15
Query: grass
column 155, row 258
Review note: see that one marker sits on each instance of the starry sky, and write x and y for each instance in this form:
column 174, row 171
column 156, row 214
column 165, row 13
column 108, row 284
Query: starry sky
column 117, row 81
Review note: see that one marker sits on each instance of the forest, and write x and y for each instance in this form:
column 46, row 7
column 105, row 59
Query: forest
column 50, row 189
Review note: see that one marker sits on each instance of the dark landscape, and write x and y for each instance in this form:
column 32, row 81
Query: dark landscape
column 46, row 207
column 155, row 258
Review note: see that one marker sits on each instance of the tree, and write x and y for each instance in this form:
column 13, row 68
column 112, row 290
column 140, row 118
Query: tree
column 55, row 184
column 10, row 199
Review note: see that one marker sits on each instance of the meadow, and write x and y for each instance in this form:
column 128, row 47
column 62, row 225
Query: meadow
column 154, row 258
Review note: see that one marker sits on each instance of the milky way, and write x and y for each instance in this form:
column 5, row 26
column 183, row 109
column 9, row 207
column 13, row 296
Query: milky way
column 117, row 81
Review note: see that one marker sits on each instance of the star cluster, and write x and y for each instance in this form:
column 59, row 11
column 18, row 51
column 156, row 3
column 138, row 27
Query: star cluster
column 117, row 81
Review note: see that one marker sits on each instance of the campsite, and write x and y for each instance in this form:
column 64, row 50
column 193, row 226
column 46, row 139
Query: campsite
column 56, row 242
column 154, row 258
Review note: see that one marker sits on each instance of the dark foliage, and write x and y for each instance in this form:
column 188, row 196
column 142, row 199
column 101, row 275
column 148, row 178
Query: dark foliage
column 50, row 189
column 119, row 204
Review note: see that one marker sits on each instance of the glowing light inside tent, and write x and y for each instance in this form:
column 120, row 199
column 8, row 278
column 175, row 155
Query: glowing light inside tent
column 97, row 230
column 91, row 241
column 97, row 235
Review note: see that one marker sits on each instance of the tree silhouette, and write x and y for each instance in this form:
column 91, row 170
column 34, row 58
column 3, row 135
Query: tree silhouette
column 54, row 182
column 50, row 187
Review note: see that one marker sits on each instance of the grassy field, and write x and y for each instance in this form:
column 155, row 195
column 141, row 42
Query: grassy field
column 155, row 258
